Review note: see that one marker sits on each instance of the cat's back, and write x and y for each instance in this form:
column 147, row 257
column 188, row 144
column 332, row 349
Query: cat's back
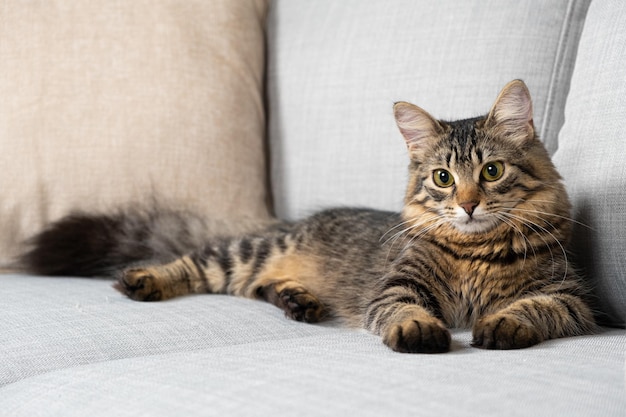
column 348, row 229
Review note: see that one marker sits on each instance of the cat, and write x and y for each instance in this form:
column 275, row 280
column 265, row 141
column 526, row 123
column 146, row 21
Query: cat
column 479, row 244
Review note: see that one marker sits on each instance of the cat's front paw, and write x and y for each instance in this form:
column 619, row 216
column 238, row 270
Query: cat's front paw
column 140, row 285
column 499, row 331
column 418, row 336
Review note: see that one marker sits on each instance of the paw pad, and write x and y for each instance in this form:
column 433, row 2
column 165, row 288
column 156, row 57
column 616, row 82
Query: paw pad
column 140, row 285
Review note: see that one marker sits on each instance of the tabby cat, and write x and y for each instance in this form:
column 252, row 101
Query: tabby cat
column 479, row 244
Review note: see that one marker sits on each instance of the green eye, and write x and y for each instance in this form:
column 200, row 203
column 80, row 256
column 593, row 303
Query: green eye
column 443, row 178
column 493, row 171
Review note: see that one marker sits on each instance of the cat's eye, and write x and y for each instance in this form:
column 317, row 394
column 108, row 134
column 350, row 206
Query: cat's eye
column 493, row 171
column 443, row 178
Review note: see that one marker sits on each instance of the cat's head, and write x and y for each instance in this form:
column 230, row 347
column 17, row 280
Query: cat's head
column 483, row 174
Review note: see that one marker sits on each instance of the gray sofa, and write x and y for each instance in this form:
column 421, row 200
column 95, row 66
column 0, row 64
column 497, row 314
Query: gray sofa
column 170, row 88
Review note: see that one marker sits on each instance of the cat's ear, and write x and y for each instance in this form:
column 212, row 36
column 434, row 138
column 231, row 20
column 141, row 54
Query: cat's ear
column 512, row 114
column 415, row 124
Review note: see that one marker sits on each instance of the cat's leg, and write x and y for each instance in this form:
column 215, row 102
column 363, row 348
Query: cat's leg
column 162, row 282
column 405, row 315
column 295, row 300
column 221, row 266
column 157, row 283
column 285, row 279
column 531, row 320
column 250, row 267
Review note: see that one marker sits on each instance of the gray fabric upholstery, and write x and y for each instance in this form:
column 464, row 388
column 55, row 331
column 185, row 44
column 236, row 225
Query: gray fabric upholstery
column 591, row 155
column 336, row 68
column 76, row 347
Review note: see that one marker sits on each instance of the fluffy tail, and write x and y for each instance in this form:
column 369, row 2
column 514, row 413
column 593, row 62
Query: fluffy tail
column 100, row 245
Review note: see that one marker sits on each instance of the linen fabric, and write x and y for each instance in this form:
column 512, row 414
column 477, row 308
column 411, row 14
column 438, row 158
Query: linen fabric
column 336, row 68
column 76, row 347
column 592, row 155
column 109, row 103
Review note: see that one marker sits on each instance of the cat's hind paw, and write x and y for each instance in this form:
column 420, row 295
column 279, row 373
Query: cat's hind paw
column 296, row 301
column 140, row 285
column 301, row 305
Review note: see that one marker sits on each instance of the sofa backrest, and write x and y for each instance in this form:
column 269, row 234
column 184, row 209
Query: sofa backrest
column 336, row 67
column 592, row 155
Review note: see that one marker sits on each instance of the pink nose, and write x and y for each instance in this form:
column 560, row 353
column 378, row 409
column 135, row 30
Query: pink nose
column 469, row 207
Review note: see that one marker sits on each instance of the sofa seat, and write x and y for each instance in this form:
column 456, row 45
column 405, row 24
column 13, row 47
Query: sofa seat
column 76, row 346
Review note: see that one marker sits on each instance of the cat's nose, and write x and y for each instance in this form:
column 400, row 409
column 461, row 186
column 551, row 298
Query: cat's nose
column 469, row 207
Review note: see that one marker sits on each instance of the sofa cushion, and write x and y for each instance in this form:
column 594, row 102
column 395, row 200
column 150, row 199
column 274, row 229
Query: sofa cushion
column 592, row 154
column 336, row 68
column 105, row 103
column 76, row 347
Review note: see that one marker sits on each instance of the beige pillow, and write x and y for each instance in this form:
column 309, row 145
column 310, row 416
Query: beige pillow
column 104, row 103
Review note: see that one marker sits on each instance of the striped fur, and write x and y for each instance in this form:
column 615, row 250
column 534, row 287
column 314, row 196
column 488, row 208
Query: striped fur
column 479, row 244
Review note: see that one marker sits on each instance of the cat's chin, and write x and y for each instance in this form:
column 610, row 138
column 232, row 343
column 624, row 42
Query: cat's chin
column 474, row 225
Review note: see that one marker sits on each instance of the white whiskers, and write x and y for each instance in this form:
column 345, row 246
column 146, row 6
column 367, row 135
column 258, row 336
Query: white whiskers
column 539, row 213
column 415, row 223
column 543, row 233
